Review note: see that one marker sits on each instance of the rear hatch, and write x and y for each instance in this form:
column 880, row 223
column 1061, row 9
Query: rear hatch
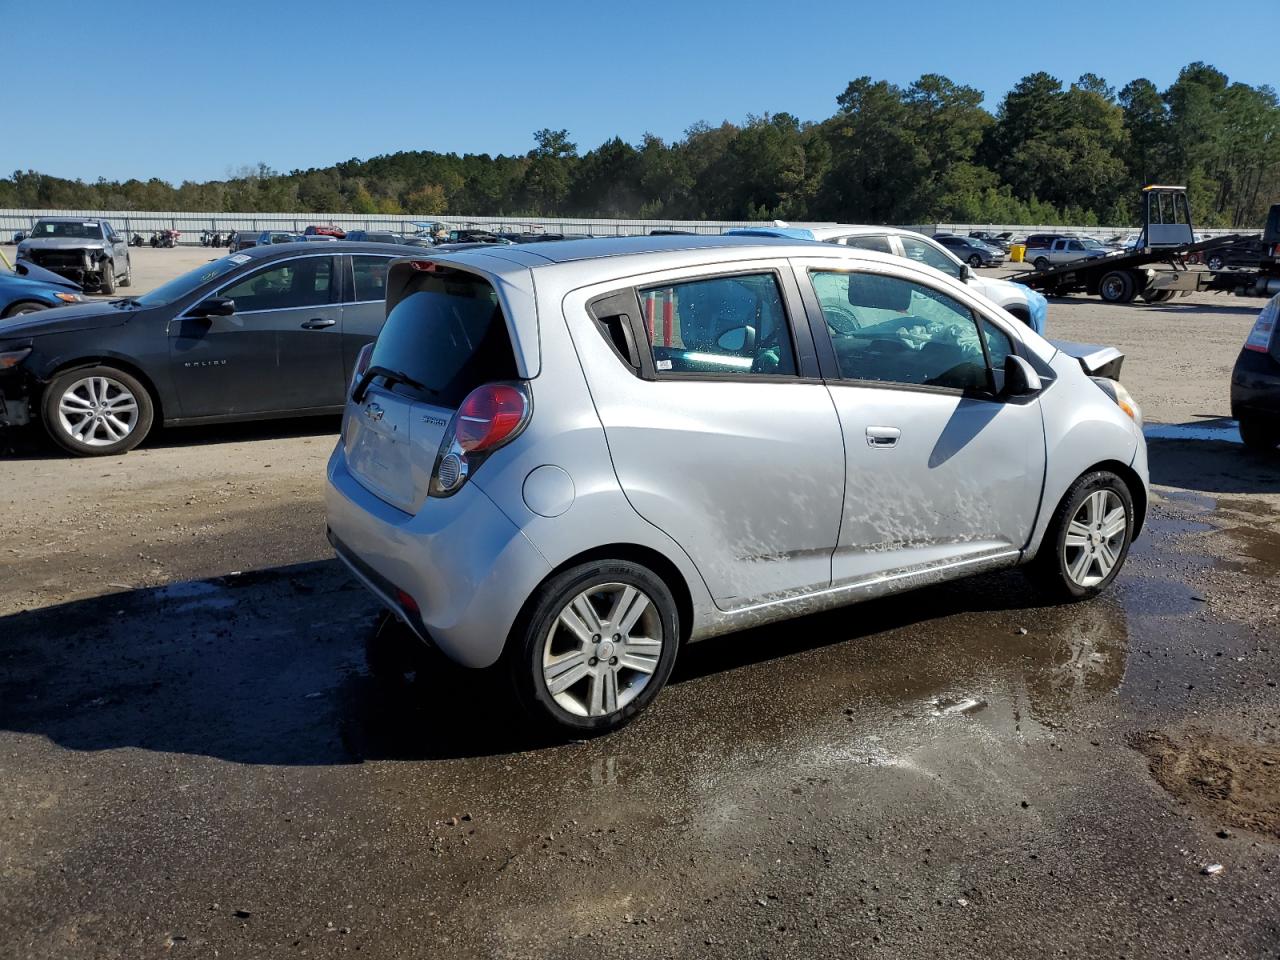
column 444, row 336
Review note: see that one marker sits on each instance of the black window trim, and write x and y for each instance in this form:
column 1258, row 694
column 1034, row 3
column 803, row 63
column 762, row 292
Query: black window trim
column 253, row 268
column 349, row 291
column 803, row 348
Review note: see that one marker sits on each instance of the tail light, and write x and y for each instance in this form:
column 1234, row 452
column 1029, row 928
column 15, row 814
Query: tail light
column 490, row 417
column 1264, row 327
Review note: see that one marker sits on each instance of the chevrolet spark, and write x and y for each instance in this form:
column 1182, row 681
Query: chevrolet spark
column 571, row 460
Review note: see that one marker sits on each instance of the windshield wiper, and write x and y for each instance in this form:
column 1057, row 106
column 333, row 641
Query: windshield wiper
column 391, row 377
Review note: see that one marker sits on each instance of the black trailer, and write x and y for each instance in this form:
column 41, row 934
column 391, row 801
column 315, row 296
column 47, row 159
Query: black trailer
column 1158, row 268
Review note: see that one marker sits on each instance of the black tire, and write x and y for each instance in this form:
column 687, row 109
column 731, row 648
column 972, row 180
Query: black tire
column 1261, row 437
column 1041, row 264
column 26, row 306
column 100, row 444
column 534, row 631
column 1158, row 296
column 107, row 272
column 975, row 261
column 1050, row 566
column 1215, row 262
column 127, row 279
column 1117, row 287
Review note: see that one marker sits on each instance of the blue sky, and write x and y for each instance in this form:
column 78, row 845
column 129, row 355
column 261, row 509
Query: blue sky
column 189, row 89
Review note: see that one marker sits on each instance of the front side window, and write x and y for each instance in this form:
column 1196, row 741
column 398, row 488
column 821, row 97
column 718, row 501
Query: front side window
column 924, row 252
column 897, row 331
column 370, row 277
column 722, row 325
column 295, row 283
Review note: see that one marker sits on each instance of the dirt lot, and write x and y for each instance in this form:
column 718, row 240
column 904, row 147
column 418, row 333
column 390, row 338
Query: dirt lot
column 193, row 758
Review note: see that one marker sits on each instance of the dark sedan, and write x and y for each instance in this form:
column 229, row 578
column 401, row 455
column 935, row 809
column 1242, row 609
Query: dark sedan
column 976, row 253
column 1247, row 254
column 1255, row 382
column 271, row 332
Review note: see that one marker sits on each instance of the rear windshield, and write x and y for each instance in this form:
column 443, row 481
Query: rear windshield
column 450, row 336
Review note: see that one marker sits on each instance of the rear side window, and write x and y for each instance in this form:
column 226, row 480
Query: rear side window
column 370, row 277
column 722, row 325
column 449, row 336
column 923, row 252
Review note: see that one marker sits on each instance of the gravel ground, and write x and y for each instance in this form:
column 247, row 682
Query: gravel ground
column 193, row 758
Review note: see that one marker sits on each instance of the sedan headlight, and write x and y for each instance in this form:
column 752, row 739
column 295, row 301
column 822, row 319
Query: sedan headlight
column 1123, row 398
column 68, row 297
column 11, row 358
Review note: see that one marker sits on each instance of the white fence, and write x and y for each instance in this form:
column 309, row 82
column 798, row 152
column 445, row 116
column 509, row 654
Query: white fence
column 191, row 225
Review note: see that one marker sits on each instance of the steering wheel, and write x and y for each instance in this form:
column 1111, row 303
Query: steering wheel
column 841, row 319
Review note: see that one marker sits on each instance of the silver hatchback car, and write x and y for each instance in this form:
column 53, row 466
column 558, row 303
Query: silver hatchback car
column 571, row 459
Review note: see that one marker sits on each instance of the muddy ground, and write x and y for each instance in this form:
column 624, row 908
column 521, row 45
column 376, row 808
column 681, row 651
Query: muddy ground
column 194, row 760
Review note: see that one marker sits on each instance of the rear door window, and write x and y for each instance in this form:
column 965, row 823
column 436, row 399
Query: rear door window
column 878, row 243
column 721, row 325
column 446, row 337
column 924, row 252
column 370, row 277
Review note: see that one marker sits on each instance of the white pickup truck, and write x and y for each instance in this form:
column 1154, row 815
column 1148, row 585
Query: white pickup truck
column 1067, row 250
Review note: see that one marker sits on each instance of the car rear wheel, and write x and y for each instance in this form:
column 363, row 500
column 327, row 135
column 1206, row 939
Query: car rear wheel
column 1215, row 263
column 18, row 309
column 1088, row 538
column 1041, row 264
column 597, row 645
column 1259, row 436
column 97, row 411
column 1117, row 287
column 107, row 284
column 975, row 261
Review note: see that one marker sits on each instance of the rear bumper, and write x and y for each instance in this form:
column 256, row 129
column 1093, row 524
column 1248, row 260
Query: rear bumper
column 1255, row 386
column 468, row 568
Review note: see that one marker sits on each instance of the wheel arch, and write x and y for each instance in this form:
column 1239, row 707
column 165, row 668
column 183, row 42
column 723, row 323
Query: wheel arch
column 124, row 365
column 8, row 310
column 647, row 557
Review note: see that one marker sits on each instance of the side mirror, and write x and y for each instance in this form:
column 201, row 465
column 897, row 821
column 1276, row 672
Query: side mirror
column 966, row 273
column 1020, row 378
column 214, row 307
column 738, row 339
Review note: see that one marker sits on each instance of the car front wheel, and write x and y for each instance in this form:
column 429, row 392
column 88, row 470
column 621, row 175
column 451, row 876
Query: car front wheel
column 596, row 646
column 108, row 274
column 1088, row 537
column 1041, row 264
column 96, row 411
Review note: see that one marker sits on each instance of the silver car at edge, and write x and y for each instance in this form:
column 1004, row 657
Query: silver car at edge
column 571, row 459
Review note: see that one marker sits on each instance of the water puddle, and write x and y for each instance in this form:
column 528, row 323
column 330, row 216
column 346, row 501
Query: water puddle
column 1222, row 429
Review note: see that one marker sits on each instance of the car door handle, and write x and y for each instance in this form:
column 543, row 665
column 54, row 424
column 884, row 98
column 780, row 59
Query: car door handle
column 318, row 324
column 883, row 436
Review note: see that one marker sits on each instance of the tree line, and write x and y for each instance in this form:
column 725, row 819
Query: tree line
column 1051, row 153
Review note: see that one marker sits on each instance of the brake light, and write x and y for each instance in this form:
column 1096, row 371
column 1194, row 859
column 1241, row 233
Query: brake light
column 489, row 416
column 426, row 266
column 407, row 603
column 1264, row 327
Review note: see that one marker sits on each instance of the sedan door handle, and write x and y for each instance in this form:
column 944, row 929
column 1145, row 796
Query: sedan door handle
column 318, row 324
column 883, row 436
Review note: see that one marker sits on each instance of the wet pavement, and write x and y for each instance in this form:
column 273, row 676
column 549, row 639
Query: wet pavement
column 206, row 766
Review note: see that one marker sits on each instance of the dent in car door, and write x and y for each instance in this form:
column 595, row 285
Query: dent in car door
column 280, row 351
column 724, row 448
column 939, row 471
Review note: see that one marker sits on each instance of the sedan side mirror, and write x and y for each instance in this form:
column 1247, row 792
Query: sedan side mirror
column 738, row 339
column 1020, row 378
column 966, row 274
column 214, row 307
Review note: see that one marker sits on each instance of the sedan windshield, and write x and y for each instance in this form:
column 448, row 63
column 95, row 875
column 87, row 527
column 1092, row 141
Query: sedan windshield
column 80, row 230
column 177, row 288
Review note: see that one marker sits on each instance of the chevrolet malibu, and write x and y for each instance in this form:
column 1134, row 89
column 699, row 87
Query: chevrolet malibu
column 573, row 458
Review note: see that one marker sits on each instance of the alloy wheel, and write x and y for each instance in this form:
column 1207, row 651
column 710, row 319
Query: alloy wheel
column 1095, row 538
column 98, row 411
column 602, row 649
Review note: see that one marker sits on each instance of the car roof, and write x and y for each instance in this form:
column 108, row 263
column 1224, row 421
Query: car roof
column 71, row 219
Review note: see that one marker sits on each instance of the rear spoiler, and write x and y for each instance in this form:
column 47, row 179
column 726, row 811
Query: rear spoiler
column 1097, row 361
